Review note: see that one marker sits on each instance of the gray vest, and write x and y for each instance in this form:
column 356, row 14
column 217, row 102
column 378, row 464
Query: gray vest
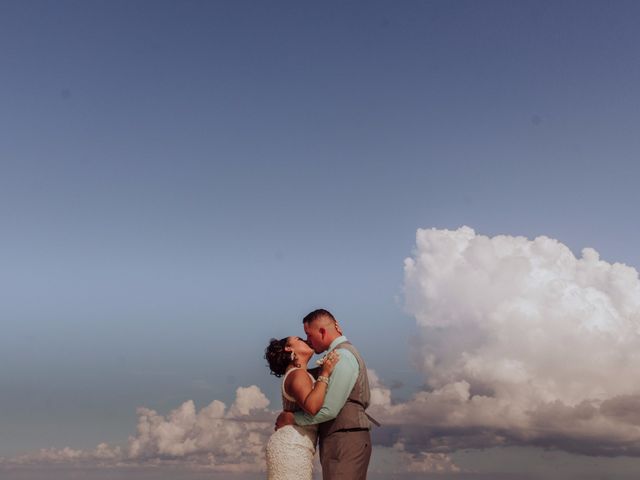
column 353, row 413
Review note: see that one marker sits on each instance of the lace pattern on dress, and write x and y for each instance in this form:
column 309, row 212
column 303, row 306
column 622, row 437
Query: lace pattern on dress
column 290, row 449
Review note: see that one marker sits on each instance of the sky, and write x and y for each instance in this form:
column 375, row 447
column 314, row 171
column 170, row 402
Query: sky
column 182, row 181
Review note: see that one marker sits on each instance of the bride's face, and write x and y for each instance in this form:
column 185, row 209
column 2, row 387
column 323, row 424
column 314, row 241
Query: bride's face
column 299, row 346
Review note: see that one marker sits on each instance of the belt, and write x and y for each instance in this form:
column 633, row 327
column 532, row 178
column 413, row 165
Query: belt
column 353, row 430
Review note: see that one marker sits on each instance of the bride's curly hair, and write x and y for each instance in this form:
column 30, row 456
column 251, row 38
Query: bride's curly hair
column 276, row 356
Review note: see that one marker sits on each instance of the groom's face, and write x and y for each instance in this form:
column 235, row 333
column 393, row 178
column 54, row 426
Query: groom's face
column 315, row 336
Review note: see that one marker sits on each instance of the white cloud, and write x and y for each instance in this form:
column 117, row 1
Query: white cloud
column 521, row 342
column 214, row 438
column 396, row 459
column 248, row 400
column 380, row 396
column 103, row 453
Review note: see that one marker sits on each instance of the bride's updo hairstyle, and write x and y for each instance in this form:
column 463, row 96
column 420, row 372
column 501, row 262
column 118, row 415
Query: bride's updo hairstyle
column 276, row 356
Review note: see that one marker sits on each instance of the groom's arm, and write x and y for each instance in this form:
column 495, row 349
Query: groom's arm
column 341, row 383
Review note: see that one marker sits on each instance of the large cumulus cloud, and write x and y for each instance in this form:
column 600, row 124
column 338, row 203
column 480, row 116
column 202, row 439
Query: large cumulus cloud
column 520, row 342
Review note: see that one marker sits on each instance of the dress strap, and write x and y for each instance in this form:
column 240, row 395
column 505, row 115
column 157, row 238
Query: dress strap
column 284, row 392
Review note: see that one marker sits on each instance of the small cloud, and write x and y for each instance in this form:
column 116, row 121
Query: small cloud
column 397, row 460
column 248, row 400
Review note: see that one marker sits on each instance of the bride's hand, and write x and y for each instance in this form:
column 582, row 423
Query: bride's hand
column 329, row 363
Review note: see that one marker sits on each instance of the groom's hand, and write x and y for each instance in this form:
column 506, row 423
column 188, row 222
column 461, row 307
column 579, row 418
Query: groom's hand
column 284, row 419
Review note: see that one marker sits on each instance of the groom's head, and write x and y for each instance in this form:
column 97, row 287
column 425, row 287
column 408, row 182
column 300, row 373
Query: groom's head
column 321, row 328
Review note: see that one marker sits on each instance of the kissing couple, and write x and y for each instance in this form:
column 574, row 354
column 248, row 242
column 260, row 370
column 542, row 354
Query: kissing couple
column 325, row 404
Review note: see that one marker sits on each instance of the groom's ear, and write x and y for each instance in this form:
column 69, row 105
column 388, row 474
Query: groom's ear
column 322, row 331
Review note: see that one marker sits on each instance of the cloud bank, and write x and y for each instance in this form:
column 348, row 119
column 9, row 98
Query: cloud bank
column 215, row 438
column 521, row 342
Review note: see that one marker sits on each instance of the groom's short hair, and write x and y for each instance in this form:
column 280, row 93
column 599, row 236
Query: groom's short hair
column 319, row 313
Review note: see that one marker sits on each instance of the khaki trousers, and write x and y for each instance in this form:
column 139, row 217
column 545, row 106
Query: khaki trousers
column 345, row 455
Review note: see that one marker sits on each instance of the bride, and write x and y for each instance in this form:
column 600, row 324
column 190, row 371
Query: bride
column 291, row 448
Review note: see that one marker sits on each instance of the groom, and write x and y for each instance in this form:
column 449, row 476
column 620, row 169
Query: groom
column 343, row 431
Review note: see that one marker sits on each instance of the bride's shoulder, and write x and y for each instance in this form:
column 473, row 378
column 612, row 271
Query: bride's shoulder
column 297, row 375
column 296, row 372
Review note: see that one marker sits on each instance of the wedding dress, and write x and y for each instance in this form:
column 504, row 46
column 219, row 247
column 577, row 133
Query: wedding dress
column 290, row 449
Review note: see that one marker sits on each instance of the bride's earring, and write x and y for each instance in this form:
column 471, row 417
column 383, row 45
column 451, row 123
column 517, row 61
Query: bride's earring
column 293, row 360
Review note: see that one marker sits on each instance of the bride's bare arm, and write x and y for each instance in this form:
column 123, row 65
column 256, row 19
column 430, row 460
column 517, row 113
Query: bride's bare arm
column 310, row 396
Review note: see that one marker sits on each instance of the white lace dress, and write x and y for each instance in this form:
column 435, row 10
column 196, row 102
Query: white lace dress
column 290, row 449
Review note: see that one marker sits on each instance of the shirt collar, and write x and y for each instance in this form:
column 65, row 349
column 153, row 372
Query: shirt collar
column 337, row 342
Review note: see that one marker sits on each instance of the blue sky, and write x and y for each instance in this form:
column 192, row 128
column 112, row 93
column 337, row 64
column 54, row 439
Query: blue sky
column 180, row 181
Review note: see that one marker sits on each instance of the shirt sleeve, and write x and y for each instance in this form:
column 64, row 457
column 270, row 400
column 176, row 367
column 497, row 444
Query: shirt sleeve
column 341, row 382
